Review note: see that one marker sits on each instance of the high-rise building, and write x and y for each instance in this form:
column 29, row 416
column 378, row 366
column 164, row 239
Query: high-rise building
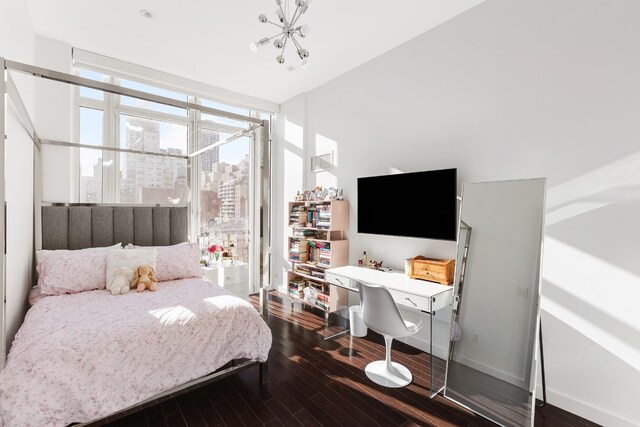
column 144, row 176
column 210, row 157
column 91, row 186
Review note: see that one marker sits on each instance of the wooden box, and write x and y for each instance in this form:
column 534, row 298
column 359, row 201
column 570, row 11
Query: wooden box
column 434, row 270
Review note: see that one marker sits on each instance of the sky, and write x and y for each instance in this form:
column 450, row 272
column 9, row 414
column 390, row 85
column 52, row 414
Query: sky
column 172, row 135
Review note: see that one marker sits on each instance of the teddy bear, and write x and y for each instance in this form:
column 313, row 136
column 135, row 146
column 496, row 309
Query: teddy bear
column 145, row 278
column 119, row 284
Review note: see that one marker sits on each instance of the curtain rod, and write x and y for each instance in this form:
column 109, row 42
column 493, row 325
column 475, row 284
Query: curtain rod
column 118, row 90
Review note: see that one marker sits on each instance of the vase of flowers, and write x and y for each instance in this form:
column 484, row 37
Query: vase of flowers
column 215, row 254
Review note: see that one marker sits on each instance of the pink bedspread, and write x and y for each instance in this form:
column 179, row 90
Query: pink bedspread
column 83, row 356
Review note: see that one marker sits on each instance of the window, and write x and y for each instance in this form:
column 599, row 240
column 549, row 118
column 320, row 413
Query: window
column 230, row 123
column 222, row 175
column 88, row 92
column 91, row 124
column 133, row 124
column 224, row 193
column 140, row 103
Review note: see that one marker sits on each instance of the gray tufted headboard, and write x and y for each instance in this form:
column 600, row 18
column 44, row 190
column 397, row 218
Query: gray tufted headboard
column 79, row 227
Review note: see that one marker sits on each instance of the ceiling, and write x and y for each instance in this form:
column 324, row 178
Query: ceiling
column 208, row 41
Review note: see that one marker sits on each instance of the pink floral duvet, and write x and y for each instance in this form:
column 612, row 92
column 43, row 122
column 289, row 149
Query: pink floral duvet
column 83, row 356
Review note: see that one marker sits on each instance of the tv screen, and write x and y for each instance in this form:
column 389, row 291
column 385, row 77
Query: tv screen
column 416, row 204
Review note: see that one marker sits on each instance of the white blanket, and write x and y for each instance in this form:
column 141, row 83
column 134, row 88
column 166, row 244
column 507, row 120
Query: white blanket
column 83, row 356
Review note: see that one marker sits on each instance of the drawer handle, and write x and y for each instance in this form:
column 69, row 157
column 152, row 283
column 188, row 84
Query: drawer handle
column 414, row 304
column 339, row 281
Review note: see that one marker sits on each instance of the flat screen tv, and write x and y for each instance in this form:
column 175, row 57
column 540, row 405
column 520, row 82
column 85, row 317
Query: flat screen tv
column 416, row 204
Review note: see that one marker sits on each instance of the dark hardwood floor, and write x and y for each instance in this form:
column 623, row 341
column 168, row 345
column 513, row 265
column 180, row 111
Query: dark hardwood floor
column 314, row 382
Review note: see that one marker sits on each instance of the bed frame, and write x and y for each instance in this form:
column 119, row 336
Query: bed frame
column 80, row 227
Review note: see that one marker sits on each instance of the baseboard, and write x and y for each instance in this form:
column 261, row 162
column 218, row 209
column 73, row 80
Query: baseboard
column 504, row 376
column 584, row 410
column 438, row 350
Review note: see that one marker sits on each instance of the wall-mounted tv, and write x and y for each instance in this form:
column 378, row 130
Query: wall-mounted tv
column 416, row 204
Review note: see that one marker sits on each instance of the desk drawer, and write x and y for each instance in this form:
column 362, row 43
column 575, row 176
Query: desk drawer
column 410, row 300
column 342, row 281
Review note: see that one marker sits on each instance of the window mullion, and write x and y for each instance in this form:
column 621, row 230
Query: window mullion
column 114, row 158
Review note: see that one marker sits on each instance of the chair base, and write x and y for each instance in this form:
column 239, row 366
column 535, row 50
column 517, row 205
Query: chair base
column 398, row 376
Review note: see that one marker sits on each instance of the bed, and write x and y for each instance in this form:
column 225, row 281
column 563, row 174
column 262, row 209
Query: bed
column 81, row 357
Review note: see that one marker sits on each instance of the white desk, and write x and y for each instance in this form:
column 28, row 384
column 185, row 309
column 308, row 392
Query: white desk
column 428, row 297
column 425, row 296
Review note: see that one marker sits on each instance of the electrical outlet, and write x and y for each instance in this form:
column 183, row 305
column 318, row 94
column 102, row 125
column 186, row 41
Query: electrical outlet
column 522, row 292
column 476, row 338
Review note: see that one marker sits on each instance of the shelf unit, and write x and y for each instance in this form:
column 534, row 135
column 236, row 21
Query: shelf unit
column 317, row 242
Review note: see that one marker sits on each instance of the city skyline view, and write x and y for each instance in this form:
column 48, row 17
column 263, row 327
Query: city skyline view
column 143, row 126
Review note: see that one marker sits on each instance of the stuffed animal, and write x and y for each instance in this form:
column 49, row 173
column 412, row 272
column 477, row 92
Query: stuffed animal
column 145, row 278
column 376, row 265
column 119, row 284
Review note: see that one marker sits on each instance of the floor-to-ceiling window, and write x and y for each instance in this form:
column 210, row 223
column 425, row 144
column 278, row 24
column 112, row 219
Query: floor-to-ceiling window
column 219, row 180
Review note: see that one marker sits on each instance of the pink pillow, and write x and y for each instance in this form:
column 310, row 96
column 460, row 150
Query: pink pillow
column 68, row 272
column 176, row 262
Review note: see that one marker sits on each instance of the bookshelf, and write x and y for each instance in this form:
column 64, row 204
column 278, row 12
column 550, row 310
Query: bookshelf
column 316, row 242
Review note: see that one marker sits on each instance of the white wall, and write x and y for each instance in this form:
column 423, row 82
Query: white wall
column 289, row 153
column 535, row 88
column 17, row 43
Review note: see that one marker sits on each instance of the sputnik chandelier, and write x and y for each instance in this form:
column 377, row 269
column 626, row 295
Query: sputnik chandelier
column 288, row 30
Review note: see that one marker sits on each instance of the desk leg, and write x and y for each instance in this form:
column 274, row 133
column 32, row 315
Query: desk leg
column 326, row 326
column 436, row 384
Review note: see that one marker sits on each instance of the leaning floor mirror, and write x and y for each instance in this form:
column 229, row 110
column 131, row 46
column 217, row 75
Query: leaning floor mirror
column 492, row 361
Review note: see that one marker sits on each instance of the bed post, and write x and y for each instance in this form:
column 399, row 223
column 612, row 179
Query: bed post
column 264, row 373
column 3, row 90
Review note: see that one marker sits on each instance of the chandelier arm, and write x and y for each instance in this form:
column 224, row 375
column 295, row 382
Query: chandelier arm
column 295, row 42
column 293, row 21
column 277, row 35
column 294, row 18
column 284, row 45
column 277, row 25
column 283, row 14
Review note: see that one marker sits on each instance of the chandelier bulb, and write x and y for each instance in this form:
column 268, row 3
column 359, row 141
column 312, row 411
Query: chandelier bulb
column 280, row 15
column 262, row 18
column 304, row 30
column 278, row 43
column 279, row 2
column 303, row 54
column 280, row 59
column 300, row 3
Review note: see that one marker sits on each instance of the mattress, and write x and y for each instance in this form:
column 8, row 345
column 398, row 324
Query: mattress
column 83, row 356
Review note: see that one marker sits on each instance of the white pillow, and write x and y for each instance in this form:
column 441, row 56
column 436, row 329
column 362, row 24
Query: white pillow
column 130, row 258
column 176, row 262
